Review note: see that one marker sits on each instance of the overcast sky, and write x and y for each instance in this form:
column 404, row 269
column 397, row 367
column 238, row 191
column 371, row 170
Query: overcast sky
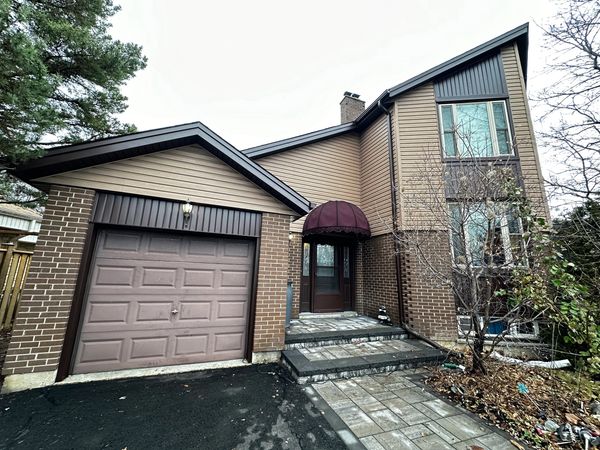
column 258, row 71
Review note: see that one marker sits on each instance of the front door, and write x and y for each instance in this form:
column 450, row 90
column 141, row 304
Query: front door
column 330, row 277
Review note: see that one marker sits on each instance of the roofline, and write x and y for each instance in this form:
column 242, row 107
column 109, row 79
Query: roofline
column 87, row 154
column 521, row 31
column 297, row 141
column 372, row 111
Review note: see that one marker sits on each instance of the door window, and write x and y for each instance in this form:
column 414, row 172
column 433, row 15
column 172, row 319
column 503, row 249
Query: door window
column 327, row 275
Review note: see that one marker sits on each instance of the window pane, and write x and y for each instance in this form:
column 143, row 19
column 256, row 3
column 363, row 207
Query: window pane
column 346, row 262
column 306, row 259
column 449, row 147
column 501, row 128
column 476, row 230
column 474, row 138
column 458, row 247
column 325, row 255
column 448, row 131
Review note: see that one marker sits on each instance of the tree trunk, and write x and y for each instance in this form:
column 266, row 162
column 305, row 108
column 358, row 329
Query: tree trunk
column 477, row 358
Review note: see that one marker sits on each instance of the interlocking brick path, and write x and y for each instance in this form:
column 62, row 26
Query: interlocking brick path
column 358, row 349
column 395, row 411
column 303, row 326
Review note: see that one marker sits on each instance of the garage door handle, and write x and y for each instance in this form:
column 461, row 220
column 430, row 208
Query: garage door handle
column 174, row 311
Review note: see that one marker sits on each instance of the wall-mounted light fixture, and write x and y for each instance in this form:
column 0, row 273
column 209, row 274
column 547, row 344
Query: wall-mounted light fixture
column 290, row 236
column 186, row 209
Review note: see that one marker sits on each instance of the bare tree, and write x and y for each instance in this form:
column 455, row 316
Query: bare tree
column 470, row 207
column 569, row 105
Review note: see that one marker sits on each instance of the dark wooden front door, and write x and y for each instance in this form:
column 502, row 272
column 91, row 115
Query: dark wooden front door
column 327, row 279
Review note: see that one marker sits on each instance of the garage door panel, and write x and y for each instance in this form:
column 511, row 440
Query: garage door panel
column 108, row 312
column 158, row 299
column 196, row 344
column 149, row 347
column 99, row 351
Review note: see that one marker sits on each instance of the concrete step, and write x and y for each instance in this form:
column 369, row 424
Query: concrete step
column 309, row 365
column 339, row 337
column 334, row 315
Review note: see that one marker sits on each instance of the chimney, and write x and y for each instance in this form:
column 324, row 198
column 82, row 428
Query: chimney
column 351, row 107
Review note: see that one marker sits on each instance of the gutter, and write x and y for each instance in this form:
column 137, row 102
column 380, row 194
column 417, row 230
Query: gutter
column 395, row 231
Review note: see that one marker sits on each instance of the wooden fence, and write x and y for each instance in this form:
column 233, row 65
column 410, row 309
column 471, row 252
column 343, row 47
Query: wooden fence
column 13, row 272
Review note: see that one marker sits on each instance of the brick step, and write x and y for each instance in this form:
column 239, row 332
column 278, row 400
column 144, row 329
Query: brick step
column 339, row 337
column 309, row 365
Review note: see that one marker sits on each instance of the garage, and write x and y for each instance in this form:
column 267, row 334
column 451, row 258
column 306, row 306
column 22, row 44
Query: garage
column 163, row 298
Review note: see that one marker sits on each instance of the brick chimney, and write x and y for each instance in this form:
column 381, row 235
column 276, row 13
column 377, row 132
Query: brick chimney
column 351, row 107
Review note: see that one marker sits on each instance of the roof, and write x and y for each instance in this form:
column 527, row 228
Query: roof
column 520, row 35
column 72, row 157
column 13, row 210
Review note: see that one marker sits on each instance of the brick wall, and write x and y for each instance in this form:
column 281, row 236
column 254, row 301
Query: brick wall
column 269, row 329
column 379, row 276
column 295, row 270
column 430, row 305
column 359, row 302
column 45, row 304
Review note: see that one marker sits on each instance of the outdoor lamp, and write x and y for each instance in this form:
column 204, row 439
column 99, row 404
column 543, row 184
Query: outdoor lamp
column 186, row 209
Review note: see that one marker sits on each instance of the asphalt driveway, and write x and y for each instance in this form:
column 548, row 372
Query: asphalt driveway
column 244, row 408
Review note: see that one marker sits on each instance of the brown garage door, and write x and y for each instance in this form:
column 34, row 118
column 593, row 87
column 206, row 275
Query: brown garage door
column 157, row 299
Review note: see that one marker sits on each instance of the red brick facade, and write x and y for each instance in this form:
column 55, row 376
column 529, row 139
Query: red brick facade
column 45, row 304
column 269, row 328
column 379, row 277
column 430, row 305
column 295, row 270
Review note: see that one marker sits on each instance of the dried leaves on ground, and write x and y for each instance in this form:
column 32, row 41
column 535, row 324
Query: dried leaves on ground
column 518, row 399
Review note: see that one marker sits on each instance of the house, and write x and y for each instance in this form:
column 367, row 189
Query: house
column 170, row 246
column 19, row 226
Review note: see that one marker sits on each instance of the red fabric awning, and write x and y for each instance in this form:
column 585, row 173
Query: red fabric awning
column 337, row 217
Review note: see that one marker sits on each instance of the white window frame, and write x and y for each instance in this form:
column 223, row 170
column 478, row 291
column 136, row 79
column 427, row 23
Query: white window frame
column 506, row 243
column 492, row 124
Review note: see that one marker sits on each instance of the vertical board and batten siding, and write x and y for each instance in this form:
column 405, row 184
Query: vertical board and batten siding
column 418, row 158
column 183, row 173
column 144, row 212
column 524, row 138
column 326, row 170
column 375, row 196
column 484, row 79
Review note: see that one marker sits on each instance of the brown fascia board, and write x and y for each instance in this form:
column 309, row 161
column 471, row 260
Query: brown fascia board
column 519, row 34
column 92, row 153
column 297, row 141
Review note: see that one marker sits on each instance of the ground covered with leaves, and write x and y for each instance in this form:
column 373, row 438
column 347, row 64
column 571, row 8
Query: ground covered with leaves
column 521, row 400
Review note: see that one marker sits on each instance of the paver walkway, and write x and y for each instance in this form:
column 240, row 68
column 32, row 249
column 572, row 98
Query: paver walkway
column 396, row 411
column 305, row 326
column 358, row 349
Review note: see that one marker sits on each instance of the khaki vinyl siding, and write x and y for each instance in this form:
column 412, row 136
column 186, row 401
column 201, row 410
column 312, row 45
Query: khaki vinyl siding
column 523, row 129
column 418, row 159
column 374, row 177
column 326, row 170
column 178, row 174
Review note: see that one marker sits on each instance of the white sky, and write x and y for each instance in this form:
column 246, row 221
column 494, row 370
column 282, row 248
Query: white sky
column 258, row 71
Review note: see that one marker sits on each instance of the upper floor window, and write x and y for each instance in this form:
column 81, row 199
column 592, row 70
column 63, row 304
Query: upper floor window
column 486, row 234
column 475, row 130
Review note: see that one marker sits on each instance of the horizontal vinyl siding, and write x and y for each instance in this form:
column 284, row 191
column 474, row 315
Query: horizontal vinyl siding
column 375, row 180
column 326, row 170
column 419, row 161
column 178, row 174
column 523, row 130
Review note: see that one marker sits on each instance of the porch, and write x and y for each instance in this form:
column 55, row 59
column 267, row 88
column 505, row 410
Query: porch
column 319, row 347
